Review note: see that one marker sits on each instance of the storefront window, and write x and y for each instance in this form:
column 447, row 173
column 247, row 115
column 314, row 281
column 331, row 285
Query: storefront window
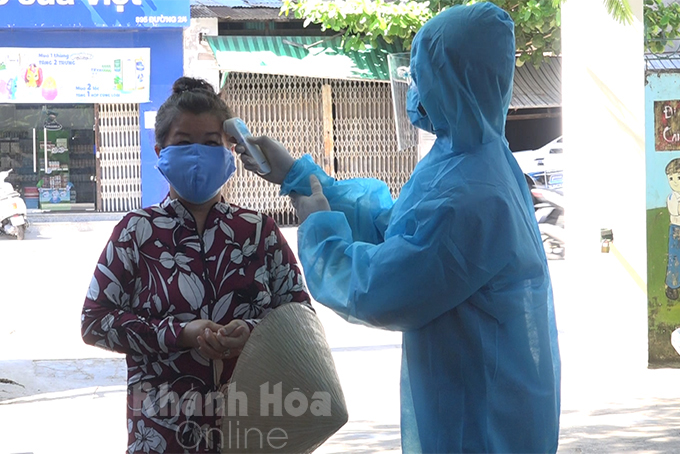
column 51, row 149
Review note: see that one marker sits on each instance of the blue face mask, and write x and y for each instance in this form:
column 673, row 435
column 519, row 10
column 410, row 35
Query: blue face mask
column 415, row 110
column 196, row 172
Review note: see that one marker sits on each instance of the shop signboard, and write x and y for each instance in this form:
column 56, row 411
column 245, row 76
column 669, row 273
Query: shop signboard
column 94, row 13
column 91, row 76
column 667, row 125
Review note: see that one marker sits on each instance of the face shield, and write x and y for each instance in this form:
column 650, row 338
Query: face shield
column 400, row 79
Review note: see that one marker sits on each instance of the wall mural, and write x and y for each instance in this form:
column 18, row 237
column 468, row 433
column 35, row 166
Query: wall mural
column 663, row 235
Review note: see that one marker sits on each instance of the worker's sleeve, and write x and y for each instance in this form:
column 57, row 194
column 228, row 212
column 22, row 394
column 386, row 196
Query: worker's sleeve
column 366, row 203
column 412, row 277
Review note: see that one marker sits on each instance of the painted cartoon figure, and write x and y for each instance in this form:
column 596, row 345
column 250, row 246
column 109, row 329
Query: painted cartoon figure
column 673, row 204
column 11, row 88
column 49, row 89
column 34, row 76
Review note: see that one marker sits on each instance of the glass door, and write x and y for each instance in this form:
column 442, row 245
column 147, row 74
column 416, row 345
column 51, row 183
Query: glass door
column 51, row 149
column 19, row 149
column 55, row 159
column 65, row 136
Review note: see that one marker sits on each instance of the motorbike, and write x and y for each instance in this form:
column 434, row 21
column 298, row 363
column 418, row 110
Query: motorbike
column 549, row 209
column 13, row 219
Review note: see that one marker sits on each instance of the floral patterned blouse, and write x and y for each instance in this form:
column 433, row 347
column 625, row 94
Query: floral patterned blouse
column 155, row 275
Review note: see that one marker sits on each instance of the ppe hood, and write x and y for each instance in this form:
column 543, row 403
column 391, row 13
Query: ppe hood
column 463, row 62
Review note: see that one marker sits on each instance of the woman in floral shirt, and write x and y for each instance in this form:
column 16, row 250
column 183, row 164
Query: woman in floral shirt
column 180, row 285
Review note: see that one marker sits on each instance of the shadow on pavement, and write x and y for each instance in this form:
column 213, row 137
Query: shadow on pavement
column 652, row 427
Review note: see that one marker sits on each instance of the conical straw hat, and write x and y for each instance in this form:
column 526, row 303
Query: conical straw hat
column 284, row 395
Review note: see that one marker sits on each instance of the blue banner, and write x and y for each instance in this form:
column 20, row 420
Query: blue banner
column 94, row 13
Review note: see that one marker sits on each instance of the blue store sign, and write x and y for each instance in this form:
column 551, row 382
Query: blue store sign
column 94, row 13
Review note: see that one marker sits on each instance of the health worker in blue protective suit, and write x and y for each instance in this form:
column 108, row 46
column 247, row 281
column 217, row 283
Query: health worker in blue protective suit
column 456, row 262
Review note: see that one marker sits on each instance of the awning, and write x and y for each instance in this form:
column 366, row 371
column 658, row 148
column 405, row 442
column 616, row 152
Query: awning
column 308, row 56
column 538, row 87
column 315, row 56
column 662, row 63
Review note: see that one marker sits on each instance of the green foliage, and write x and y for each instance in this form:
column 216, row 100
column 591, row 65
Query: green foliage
column 662, row 24
column 363, row 20
column 537, row 22
column 619, row 10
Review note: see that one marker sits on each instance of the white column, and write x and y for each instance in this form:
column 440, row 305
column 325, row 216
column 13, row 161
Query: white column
column 603, row 126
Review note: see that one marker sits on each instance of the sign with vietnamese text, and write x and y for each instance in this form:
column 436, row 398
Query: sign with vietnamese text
column 94, row 13
column 90, row 76
column 667, row 125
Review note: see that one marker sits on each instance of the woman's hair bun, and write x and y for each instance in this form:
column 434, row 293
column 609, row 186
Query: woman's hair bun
column 190, row 84
column 195, row 96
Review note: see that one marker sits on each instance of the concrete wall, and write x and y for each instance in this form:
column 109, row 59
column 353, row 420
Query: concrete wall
column 199, row 60
column 603, row 128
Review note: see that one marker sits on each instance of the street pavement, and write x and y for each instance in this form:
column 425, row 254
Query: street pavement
column 63, row 396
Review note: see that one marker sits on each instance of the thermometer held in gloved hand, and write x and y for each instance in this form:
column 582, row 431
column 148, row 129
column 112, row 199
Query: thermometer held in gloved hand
column 236, row 128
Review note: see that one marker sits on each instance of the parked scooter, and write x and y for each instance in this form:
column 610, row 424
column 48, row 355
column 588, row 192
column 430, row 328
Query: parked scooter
column 13, row 219
column 549, row 206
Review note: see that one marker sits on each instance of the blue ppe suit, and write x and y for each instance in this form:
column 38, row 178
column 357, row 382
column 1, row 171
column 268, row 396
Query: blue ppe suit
column 456, row 262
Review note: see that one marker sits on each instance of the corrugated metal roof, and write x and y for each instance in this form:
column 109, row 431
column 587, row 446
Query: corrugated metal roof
column 538, row 88
column 310, row 56
column 314, row 56
column 239, row 3
column 264, row 3
column 209, row 3
column 199, row 12
column 662, row 64
column 239, row 14
column 239, row 10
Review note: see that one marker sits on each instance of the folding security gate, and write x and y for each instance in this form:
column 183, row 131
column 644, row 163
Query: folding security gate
column 347, row 126
column 119, row 157
column 288, row 109
column 365, row 138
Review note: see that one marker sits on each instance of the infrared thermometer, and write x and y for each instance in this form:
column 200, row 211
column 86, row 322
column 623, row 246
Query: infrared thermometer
column 236, row 128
